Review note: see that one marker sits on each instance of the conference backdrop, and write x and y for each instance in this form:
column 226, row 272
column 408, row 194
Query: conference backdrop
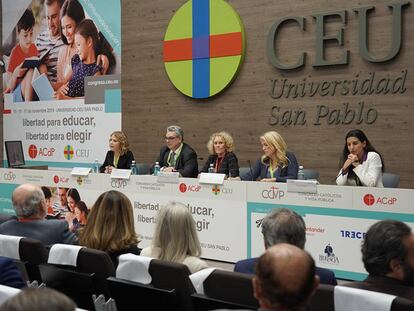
column 64, row 105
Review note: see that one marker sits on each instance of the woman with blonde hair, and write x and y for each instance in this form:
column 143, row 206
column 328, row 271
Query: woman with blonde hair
column 119, row 156
column 222, row 158
column 276, row 164
column 175, row 238
column 110, row 226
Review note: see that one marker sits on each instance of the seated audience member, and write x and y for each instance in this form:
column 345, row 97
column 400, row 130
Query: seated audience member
column 73, row 197
column 388, row 256
column 175, row 238
column 220, row 147
column 361, row 164
column 118, row 156
column 284, row 226
column 110, row 226
column 276, row 164
column 39, row 299
column 81, row 214
column 10, row 275
column 30, row 207
column 285, row 278
column 177, row 156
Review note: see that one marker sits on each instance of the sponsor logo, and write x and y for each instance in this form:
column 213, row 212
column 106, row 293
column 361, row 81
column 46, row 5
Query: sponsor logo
column 370, row 200
column 259, row 223
column 9, row 176
column 82, row 153
column 217, row 190
column 58, row 179
column 202, row 60
column 68, row 152
column 349, row 234
column 119, row 183
column 46, row 152
column 313, row 230
column 329, row 256
column 190, row 188
column 32, row 151
column 273, row 193
column 79, row 180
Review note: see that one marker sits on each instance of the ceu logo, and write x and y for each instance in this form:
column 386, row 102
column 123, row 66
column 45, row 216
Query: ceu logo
column 203, row 47
column 68, row 152
column 79, row 180
column 32, row 151
column 216, row 189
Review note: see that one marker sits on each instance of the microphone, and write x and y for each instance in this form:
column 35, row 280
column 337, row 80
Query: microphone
column 250, row 168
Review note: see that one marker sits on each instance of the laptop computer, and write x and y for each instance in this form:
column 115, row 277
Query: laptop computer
column 14, row 152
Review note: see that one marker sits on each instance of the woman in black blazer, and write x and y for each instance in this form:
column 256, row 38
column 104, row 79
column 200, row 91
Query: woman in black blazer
column 119, row 156
column 220, row 147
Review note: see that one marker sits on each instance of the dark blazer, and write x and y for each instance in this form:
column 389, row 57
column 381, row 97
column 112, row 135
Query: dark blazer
column 247, row 266
column 229, row 164
column 49, row 231
column 186, row 163
column 259, row 171
column 385, row 285
column 124, row 161
column 10, row 275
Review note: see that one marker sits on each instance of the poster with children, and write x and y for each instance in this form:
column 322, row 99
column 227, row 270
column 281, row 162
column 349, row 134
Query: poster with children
column 61, row 79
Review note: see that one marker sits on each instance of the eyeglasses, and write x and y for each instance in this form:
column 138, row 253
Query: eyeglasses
column 170, row 138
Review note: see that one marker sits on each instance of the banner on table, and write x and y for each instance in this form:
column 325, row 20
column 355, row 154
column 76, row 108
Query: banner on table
column 65, row 100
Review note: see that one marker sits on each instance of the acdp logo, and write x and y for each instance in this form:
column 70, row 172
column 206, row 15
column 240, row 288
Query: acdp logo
column 204, row 47
column 273, row 193
column 190, row 188
column 58, row 179
column 370, row 200
column 118, row 183
column 32, row 151
column 9, row 176
column 68, row 152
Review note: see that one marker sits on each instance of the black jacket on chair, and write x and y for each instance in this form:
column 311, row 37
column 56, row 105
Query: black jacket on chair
column 186, row 163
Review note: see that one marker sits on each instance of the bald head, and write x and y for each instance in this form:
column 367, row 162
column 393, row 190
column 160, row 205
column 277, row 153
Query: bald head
column 29, row 201
column 285, row 278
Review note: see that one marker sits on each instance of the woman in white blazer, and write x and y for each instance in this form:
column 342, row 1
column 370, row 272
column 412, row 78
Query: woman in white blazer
column 361, row 164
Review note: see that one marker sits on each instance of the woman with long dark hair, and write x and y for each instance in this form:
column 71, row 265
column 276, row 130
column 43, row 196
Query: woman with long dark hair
column 361, row 164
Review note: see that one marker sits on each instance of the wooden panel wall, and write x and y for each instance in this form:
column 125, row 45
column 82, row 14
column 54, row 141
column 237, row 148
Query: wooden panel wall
column 150, row 101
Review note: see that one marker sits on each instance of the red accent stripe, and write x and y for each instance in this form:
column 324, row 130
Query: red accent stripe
column 229, row 44
column 7, row 111
column 176, row 50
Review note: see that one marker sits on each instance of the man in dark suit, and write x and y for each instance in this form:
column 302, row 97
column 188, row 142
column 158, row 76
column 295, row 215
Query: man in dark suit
column 388, row 256
column 284, row 226
column 30, row 207
column 177, row 156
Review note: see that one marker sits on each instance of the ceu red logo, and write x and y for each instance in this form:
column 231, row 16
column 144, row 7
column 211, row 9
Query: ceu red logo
column 32, row 151
column 370, row 200
column 182, row 187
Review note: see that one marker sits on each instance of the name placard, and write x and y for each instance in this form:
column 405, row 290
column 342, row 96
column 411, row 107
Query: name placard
column 120, row 173
column 80, row 171
column 211, row 178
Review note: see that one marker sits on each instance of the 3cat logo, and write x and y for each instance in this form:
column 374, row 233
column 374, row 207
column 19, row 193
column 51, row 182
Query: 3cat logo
column 32, row 151
column 204, row 47
column 68, row 152
column 216, row 190
column 370, row 200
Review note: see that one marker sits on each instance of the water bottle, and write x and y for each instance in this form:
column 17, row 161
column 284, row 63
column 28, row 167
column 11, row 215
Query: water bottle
column 211, row 168
column 96, row 166
column 301, row 173
column 157, row 168
column 134, row 170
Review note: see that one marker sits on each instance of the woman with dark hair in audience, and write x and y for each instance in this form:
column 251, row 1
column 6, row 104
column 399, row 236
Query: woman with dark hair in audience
column 175, row 238
column 220, row 147
column 81, row 215
column 118, row 156
column 110, row 226
column 276, row 164
column 361, row 164
column 73, row 197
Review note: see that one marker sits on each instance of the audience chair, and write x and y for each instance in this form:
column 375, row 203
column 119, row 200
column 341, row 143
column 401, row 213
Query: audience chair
column 390, row 180
column 204, row 303
column 32, row 253
column 143, row 168
column 170, row 275
column 311, row 174
column 145, row 297
column 232, row 287
column 79, row 282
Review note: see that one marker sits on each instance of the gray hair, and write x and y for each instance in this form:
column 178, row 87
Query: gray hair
column 177, row 130
column 284, row 226
column 28, row 204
